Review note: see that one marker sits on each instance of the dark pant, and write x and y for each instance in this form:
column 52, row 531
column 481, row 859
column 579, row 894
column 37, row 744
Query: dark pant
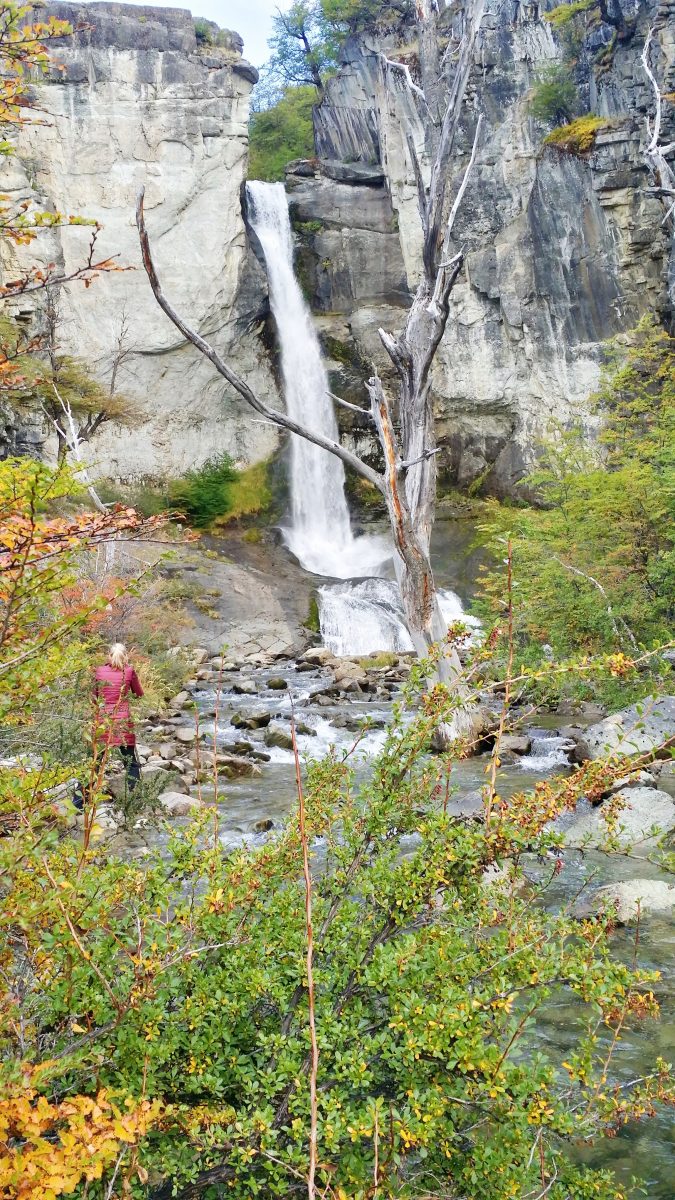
column 132, row 769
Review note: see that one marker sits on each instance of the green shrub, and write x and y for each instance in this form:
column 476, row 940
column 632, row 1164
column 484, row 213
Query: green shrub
column 554, row 96
column 560, row 16
column 249, row 495
column 313, row 621
column 594, row 566
column 204, row 30
column 183, row 979
column 205, row 493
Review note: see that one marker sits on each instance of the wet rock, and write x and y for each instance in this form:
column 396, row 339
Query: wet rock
column 631, row 897
column 239, row 747
column 277, row 684
column 514, row 743
column 646, row 813
column 278, row 735
column 640, row 729
column 178, row 805
column 263, row 826
column 251, row 718
column 306, row 730
column 245, row 687
column 236, row 768
column 585, row 708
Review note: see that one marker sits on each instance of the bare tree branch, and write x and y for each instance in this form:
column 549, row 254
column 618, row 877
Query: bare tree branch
column 363, row 412
column 271, row 414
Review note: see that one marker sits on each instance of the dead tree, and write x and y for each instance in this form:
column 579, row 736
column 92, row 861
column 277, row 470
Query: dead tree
column 657, row 154
column 408, row 481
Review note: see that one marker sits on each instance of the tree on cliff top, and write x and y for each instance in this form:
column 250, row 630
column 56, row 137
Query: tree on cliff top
column 281, row 133
column 408, row 479
column 308, row 36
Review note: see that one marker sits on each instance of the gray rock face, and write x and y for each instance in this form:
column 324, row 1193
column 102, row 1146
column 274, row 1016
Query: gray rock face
column 562, row 252
column 646, row 813
column 140, row 102
column 636, row 730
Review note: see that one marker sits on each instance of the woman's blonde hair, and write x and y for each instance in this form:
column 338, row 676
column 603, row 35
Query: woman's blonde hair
column 117, row 656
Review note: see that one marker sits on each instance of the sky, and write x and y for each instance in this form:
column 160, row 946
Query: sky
column 251, row 18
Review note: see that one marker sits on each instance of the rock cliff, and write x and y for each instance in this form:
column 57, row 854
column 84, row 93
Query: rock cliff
column 562, row 250
column 138, row 100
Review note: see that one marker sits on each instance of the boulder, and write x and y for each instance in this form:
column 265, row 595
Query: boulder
column 632, row 896
column 318, row 654
column 251, row 718
column 235, row 768
column 188, row 734
column 178, row 805
column 278, row 735
column 167, row 750
column 245, row 687
column 513, row 743
column 640, row 729
column 180, row 700
column 277, row 684
column 153, row 769
column 646, row 813
column 197, row 655
column 263, row 826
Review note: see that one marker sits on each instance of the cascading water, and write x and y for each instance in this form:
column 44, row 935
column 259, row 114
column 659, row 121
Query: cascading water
column 320, row 532
column 365, row 615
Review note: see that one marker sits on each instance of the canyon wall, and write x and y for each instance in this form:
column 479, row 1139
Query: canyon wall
column 137, row 101
column 563, row 251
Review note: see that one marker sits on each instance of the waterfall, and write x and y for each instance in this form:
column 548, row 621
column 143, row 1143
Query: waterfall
column 364, row 615
column 320, row 533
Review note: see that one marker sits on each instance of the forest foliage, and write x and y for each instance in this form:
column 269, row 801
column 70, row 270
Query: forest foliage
column 594, row 559
column 158, row 1010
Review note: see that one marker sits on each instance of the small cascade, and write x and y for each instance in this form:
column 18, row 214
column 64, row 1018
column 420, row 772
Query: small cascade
column 547, row 752
column 364, row 617
column 320, row 533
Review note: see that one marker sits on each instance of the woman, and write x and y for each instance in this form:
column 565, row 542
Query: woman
column 114, row 682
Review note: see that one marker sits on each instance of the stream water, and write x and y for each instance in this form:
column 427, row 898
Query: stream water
column 360, row 612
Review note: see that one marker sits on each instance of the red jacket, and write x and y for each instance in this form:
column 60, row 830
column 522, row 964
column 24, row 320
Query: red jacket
column 114, row 726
